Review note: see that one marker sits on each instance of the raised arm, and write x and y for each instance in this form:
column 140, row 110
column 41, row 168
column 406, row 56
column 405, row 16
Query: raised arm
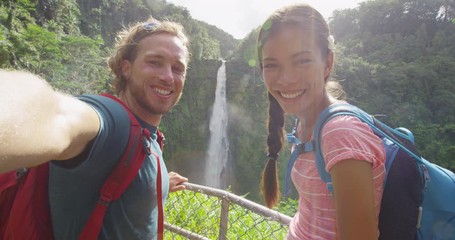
column 38, row 124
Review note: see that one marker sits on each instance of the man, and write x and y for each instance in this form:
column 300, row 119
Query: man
column 85, row 137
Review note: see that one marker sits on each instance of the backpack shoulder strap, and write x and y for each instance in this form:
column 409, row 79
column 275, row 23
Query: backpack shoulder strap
column 160, row 136
column 403, row 138
column 298, row 149
column 329, row 113
column 122, row 175
column 324, row 117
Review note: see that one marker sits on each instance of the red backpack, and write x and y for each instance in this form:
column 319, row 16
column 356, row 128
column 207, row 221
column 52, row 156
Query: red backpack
column 24, row 199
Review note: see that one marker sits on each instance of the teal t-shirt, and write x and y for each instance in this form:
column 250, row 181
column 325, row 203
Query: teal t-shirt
column 74, row 192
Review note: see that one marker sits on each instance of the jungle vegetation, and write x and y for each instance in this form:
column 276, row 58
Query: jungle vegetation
column 395, row 58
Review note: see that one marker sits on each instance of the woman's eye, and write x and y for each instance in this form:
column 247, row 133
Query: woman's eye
column 269, row 65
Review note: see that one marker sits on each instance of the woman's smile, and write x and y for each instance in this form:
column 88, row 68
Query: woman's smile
column 292, row 95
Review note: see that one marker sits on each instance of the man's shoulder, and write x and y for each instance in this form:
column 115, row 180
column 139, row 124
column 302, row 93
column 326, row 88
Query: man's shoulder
column 113, row 134
column 105, row 105
column 98, row 99
column 115, row 121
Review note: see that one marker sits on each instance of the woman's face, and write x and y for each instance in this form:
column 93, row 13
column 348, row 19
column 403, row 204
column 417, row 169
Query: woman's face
column 294, row 70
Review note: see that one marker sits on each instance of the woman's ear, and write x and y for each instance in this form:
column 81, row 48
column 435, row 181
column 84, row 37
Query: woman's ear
column 126, row 69
column 328, row 65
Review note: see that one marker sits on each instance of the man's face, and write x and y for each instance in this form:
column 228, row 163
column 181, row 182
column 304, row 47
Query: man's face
column 155, row 78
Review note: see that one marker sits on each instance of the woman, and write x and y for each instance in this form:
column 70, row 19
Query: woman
column 295, row 51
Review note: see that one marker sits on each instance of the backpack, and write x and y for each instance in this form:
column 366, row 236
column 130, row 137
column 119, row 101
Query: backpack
column 24, row 199
column 418, row 201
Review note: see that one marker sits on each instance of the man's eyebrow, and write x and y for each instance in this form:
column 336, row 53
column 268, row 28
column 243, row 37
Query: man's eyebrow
column 154, row 55
column 160, row 57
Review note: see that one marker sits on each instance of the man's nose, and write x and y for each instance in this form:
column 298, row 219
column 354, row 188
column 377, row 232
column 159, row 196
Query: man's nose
column 166, row 74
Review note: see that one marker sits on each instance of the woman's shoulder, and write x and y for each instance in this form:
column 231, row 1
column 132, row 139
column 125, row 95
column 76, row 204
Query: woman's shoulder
column 346, row 122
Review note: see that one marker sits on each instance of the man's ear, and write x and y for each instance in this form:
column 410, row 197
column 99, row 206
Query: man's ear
column 126, row 69
column 328, row 65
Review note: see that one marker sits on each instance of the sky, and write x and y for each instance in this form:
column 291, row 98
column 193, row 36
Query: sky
column 239, row 17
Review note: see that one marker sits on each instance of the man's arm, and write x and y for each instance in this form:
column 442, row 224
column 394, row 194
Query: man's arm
column 38, row 124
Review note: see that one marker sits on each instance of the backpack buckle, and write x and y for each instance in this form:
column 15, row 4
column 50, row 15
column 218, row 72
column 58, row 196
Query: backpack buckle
column 426, row 176
column 146, row 143
column 20, row 173
column 104, row 200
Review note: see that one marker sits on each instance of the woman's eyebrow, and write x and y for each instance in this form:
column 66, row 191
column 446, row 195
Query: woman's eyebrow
column 298, row 54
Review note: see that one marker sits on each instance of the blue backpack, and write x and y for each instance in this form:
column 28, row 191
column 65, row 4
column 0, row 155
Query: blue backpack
column 418, row 201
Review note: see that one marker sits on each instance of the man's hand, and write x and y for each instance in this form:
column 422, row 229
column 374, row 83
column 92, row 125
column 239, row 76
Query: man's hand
column 175, row 182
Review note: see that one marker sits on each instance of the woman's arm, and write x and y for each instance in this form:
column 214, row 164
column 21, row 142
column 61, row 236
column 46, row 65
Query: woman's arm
column 354, row 200
column 38, row 124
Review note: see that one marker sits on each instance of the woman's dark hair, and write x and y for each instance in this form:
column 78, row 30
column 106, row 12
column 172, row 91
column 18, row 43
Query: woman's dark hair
column 310, row 20
column 269, row 184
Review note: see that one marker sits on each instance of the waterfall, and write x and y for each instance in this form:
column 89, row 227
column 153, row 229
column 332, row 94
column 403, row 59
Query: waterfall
column 217, row 154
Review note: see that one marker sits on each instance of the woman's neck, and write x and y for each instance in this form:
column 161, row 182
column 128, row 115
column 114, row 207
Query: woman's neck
column 307, row 120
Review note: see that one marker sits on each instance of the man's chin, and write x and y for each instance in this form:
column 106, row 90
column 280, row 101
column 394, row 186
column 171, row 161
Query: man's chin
column 160, row 111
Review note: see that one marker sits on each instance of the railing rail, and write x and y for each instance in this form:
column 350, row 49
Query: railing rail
column 219, row 214
column 183, row 232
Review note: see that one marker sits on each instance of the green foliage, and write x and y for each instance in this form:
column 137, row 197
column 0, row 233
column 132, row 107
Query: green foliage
column 62, row 17
column 203, row 47
column 44, row 37
column 247, row 51
column 84, row 67
column 5, row 45
column 247, row 117
column 288, row 206
column 394, row 57
column 106, row 17
column 436, row 143
column 227, row 43
column 201, row 214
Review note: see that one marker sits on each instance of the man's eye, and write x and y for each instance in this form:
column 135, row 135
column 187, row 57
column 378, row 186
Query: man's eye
column 178, row 70
column 303, row 60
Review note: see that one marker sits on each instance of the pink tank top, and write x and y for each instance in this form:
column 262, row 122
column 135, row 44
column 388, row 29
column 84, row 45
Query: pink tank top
column 343, row 137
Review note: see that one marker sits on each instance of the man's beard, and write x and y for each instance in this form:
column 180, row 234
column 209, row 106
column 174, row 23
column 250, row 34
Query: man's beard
column 142, row 101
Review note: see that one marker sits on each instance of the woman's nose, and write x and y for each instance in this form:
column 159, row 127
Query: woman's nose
column 286, row 76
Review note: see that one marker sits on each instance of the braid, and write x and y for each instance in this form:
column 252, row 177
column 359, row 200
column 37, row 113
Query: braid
column 269, row 184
